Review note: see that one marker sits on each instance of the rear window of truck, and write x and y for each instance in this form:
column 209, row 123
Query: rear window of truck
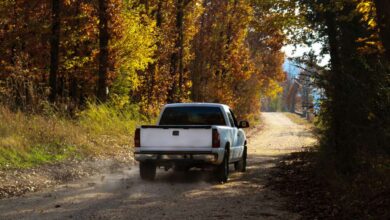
column 192, row 116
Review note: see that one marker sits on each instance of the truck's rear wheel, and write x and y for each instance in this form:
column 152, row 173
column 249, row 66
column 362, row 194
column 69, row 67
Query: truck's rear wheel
column 240, row 166
column 147, row 170
column 222, row 171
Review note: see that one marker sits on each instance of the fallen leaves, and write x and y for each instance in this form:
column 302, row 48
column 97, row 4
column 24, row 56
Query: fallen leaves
column 314, row 197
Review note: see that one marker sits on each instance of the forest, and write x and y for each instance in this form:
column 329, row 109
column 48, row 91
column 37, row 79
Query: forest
column 99, row 68
column 146, row 53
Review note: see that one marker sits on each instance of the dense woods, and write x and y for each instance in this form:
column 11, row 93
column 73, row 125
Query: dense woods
column 65, row 54
column 350, row 170
column 355, row 108
column 146, row 52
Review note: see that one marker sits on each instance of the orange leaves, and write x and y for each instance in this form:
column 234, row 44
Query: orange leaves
column 198, row 50
column 231, row 65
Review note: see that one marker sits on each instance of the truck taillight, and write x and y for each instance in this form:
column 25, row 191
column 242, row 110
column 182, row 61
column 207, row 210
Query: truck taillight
column 216, row 140
column 137, row 138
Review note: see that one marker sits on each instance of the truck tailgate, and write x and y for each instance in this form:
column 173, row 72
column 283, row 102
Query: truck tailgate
column 175, row 138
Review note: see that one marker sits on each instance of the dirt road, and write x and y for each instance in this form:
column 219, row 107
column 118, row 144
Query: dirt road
column 122, row 195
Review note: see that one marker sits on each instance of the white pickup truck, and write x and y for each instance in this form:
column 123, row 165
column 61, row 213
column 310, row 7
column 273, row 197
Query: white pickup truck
column 192, row 135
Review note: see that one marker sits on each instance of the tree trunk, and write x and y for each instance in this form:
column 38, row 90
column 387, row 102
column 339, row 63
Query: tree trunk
column 177, row 56
column 383, row 18
column 197, row 73
column 103, row 54
column 74, row 78
column 334, row 74
column 54, row 49
column 180, row 27
column 152, row 67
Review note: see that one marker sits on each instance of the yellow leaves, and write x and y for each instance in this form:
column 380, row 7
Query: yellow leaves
column 372, row 23
column 367, row 9
column 137, row 45
column 370, row 44
column 134, row 52
column 273, row 89
column 76, row 62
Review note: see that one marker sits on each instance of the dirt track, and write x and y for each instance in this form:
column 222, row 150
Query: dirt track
column 122, row 195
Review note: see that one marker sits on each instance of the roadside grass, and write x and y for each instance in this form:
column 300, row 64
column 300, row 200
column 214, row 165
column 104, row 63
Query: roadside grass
column 28, row 140
column 110, row 130
column 99, row 131
column 297, row 119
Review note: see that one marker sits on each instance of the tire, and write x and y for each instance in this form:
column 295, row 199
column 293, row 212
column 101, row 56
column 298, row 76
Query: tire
column 222, row 171
column 240, row 166
column 147, row 170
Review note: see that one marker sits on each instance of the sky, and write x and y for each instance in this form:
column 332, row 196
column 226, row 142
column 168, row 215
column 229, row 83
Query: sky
column 291, row 51
column 290, row 69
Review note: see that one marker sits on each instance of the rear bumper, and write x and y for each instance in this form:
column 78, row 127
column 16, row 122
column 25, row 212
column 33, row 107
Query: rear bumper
column 209, row 157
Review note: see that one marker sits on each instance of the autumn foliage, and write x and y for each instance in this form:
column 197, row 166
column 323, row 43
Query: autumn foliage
column 145, row 52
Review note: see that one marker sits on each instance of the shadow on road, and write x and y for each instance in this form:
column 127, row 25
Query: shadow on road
column 174, row 194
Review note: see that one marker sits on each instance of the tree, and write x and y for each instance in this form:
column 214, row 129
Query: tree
column 237, row 55
column 355, row 82
column 176, row 67
column 103, row 51
column 54, row 51
column 383, row 18
column 146, row 52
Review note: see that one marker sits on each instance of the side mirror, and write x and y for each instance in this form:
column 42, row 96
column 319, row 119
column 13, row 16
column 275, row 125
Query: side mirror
column 243, row 124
